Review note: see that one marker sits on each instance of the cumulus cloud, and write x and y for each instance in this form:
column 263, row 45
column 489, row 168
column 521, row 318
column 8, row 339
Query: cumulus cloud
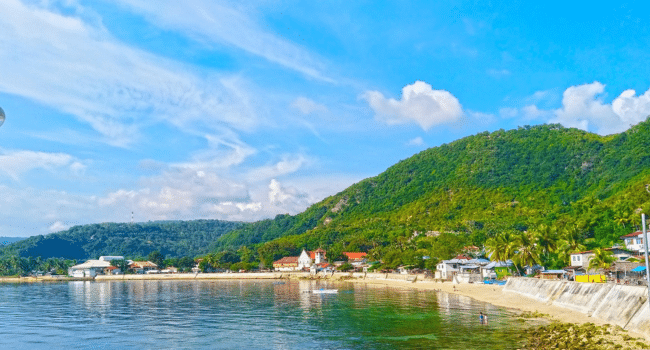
column 115, row 86
column 16, row 163
column 307, row 106
column 420, row 104
column 58, row 226
column 584, row 107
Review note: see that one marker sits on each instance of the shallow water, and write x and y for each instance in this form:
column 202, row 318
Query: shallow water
column 244, row 315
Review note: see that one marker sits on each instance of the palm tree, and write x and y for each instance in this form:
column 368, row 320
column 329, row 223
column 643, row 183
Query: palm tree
column 570, row 243
column 601, row 260
column 527, row 252
column 546, row 239
column 500, row 247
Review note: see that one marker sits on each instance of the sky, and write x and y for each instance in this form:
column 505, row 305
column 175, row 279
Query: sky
column 197, row 109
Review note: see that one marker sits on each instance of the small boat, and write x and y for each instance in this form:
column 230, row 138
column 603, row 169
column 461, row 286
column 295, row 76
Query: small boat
column 325, row 291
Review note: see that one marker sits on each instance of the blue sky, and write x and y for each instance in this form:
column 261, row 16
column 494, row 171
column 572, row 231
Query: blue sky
column 208, row 109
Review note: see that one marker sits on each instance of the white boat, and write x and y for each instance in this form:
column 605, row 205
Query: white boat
column 325, row 291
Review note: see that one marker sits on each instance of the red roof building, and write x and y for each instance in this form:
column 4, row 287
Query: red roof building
column 287, row 263
column 355, row 256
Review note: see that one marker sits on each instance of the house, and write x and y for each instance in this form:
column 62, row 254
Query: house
column 112, row 270
column 90, row 268
column 143, row 266
column 634, row 241
column 497, row 269
column 356, row 259
column 446, row 269
column 581, row 259
column 288, row 263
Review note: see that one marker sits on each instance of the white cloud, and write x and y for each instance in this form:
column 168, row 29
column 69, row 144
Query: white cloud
column 16, row 163
column 281, row 195
column 215, row 23
column 307, row 106
column 58, row 226
column 285, row 166
column 630, row 108
column 418, row 141
column 78, row 68
column 583, row 107
column 420, row 104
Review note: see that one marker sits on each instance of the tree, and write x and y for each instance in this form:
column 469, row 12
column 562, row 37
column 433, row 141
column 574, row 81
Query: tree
column 120, row 264
column 500, row 247
column 345, row 267
column 156, row 258
column 601, row 260
column 526, row 251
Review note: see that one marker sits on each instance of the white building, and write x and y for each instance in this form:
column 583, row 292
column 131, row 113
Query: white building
column 111, row 257
column 447, row 269
column 582, row 259
column 634, row 241
column 304, row 260
column 90, row 268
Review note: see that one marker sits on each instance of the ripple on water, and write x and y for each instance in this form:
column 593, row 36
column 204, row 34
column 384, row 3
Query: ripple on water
column 243, row 315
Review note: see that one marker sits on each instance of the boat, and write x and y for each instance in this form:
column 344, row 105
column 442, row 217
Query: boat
column 325, row 291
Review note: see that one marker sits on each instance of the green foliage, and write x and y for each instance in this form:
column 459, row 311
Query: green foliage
column 169, row 238
column 345, row 267
column 20, row 266
column 542, row 179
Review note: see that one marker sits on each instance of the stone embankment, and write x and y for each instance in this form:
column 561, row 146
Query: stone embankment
column 622, row 305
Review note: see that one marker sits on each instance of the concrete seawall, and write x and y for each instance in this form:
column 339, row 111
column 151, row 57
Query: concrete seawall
column 625, row 306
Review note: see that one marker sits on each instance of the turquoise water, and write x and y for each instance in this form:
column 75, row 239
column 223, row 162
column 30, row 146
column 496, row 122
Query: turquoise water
column 244, row 315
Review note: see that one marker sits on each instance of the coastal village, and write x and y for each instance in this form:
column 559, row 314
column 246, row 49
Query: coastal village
column 625, row 265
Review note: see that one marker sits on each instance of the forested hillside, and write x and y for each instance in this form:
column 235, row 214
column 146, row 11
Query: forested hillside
column 171, row 238
column 473, row 189
column 556, row 189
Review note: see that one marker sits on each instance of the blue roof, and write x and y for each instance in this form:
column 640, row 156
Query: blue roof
column 638, row 269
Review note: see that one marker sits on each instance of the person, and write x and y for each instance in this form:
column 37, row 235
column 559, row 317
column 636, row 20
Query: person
column 481, row 318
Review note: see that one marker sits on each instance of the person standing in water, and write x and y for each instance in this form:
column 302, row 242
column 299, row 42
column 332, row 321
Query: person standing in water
column 482, row 318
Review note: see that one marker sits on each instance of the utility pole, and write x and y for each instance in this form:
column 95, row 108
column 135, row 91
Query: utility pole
column 645, row 246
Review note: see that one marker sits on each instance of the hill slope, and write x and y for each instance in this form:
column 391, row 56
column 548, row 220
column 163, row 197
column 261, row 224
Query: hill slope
column 171, row 238
column 479, row 185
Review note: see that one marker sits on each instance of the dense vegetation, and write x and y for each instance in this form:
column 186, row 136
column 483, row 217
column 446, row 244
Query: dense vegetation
column 533, row 194
column 574, row 187
column 170, row 238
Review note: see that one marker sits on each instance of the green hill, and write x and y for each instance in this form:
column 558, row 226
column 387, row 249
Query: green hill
column 171, row 238
column 469, row 190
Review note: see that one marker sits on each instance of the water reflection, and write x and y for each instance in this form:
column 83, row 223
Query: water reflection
column 238, row 314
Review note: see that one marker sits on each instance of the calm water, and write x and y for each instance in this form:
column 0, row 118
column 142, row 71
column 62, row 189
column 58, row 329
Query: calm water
column 243, row 315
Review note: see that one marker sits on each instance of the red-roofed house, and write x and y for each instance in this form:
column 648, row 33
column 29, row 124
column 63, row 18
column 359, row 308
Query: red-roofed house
column 288, row 263
column 634, row 241
column 355, row 257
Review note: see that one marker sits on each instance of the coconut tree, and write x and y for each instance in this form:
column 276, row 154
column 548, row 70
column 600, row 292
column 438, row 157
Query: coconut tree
column 570, row 242
column 527, row 252
column 546, row 240
column 601, row 260
column 500, row 247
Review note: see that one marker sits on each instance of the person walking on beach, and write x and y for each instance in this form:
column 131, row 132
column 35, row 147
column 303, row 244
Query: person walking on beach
column 481, row 318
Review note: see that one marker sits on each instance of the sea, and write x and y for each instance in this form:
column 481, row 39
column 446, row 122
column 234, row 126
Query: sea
column 246, row 314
